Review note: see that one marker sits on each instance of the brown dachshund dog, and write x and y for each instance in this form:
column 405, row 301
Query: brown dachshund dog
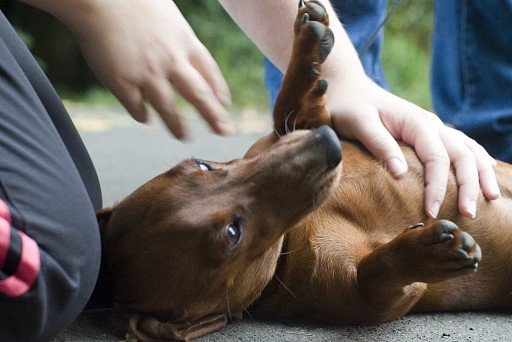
column 291, row 231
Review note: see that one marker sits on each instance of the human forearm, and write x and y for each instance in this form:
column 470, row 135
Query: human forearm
column 71, row 12
column 269, row 24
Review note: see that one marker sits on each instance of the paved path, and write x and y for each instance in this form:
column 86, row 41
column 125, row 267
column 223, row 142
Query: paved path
column 127, row 154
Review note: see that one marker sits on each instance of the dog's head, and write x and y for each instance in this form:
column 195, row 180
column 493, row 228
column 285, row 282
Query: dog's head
column 202, row 240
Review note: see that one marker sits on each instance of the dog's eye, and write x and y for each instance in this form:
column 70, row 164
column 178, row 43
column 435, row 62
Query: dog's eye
column 204, row 166
column 233, row 233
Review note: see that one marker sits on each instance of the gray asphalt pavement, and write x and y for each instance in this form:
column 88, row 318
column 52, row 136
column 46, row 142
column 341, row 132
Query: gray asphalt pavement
column 127, row 154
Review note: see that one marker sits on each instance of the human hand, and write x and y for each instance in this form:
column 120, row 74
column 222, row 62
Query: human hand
column 139, row 48
column 363, row 111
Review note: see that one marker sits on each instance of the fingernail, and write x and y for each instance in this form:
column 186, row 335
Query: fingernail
column 226, row 128
column 396, row 166
column 434, row 209
column 472, row 209
column 180, row 135
column 496, row 190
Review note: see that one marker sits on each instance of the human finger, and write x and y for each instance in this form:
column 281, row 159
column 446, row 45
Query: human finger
column 466, row 171
column 193, row 87
column 423, row 136
column 161, row 96
column 369, row 130
column 203, row 61
column 485, row 165
column 132, row 98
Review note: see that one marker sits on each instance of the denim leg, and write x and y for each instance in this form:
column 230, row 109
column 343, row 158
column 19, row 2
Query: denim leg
column 471, row 77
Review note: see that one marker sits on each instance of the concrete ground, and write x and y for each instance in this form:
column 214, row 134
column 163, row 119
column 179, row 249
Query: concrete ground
column 127, row 154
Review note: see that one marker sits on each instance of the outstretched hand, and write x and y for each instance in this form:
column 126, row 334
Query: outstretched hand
column 141, row 50
column 362, row 110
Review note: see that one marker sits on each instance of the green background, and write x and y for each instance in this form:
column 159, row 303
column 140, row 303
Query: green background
column 406, row 52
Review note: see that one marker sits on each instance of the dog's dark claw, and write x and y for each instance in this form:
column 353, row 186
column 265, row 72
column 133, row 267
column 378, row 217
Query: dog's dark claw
column 317, row 10
column 301, row 3
column 321, row 87
column 318, row 3
column 314, row 69
column 304, row 18
column 447, row 226
column 472, row 267
column 463, row 255
column 446, row 237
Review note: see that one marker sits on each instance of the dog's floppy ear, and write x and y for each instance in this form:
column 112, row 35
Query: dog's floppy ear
column 103, row 216
column 147, row 328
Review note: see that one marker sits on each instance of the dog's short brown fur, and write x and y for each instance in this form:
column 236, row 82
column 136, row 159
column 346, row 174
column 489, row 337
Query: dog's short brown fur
column 340, row 244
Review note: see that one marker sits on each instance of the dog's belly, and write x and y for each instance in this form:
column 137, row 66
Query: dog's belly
column 368, row 209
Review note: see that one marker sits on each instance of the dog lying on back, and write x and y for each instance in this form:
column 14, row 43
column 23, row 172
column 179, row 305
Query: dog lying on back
column 290, row 230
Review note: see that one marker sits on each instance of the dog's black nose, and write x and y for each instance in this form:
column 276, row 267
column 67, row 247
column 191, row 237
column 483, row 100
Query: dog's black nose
column 330, row 145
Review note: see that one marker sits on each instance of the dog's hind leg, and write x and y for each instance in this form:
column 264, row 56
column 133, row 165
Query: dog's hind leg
column 301, row 100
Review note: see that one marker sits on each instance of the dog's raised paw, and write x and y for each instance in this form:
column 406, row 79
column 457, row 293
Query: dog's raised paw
column 301, row 100
column 313, row 16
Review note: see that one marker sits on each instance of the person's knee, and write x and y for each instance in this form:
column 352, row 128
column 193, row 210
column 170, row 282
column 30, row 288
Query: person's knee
column 64, row 278
column 79, row 281
column 69, row 287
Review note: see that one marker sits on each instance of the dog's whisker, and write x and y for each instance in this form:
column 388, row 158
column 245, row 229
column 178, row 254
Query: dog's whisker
column 227, row 302
column 275, row 130
column 163, row 161
column 246, row 311
column 285, row 287
column 295, row 121
column 289, row 252
column 286, row 128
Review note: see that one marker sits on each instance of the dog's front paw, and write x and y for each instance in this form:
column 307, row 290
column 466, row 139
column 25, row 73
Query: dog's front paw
column 455, row 249
column 441, row 251
column 312, row 32
column 301, row 100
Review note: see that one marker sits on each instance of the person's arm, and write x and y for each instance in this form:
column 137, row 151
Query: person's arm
column 364, row 111
column 140, row 48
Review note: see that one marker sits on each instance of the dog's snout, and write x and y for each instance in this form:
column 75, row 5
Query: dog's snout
column 330, row 144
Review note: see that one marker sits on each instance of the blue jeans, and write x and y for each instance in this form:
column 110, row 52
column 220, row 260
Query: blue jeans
column 471, row 75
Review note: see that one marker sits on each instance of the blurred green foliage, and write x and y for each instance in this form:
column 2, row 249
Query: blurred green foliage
column 406, row 52
column 405, row 57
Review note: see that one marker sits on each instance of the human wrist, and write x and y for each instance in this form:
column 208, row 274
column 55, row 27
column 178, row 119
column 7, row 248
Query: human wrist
column 72, row 13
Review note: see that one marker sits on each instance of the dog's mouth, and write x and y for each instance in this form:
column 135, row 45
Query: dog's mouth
column 327, row 145
column 302, row 168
